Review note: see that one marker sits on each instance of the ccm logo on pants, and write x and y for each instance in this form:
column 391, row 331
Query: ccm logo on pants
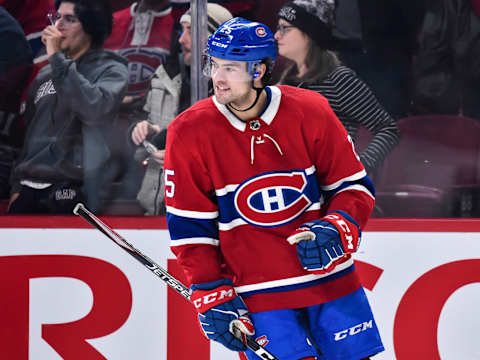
column 353, row 330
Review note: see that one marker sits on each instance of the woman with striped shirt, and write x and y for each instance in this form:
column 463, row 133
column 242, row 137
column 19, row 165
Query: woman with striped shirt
column 304, row 37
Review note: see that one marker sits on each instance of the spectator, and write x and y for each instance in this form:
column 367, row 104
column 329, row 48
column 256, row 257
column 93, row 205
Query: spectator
column 15, row 67
column 244, row 8
column 447, row 70
column 141, row 33
column 304, row 37
column 383, row 33
column 169, row 95
column 32, row 16
column 70, row 107
column 120, row 4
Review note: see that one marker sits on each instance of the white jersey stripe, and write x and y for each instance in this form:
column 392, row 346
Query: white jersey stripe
column 194, row 241
column 357, row 188
column 353, row 177
column 231, row 225
column 315, row 206
column 193, row 214
column 226, row 190
column 310, row 170
column 291, row 281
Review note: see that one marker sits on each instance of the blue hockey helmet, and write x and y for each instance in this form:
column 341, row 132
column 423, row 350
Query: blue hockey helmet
column 239, row 39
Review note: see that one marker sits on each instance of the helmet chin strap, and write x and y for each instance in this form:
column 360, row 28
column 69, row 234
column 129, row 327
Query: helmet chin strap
column 258, row 90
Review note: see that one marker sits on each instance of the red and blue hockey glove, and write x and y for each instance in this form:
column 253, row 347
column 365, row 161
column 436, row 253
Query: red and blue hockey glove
column 222, row 313
column 323, row 244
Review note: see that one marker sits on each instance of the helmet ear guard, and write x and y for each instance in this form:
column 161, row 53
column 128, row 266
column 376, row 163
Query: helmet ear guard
column 253, row 69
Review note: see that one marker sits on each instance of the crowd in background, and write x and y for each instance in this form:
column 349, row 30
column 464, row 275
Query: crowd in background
column 403, row 77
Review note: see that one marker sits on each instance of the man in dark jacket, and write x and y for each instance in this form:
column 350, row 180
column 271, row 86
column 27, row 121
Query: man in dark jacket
column 15, row 68
column 378, row 40
column 447, row 69
column 71, row 105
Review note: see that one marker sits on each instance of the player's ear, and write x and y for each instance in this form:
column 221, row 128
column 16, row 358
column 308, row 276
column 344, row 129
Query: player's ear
column 260, row 70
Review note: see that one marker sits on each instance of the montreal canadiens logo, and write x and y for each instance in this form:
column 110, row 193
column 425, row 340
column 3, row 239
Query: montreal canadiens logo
column 261, row 32
column 141, row 68
column 272, row 199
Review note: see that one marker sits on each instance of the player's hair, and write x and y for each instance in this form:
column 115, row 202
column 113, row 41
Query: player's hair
column 269, row 63
column 95, row 16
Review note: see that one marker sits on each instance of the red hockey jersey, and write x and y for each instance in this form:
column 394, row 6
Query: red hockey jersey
column 235, row 191
column 144, row 40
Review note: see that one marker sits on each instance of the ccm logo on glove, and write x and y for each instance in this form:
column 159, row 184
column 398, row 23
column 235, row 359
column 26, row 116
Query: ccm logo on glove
column 325, row 243
column 222, row 314
column 206, row 299
column 338, row 222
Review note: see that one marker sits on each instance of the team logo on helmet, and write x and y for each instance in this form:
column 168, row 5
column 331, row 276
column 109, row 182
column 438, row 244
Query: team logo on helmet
column 260, row 31
column 243, row 40
column 273, row 199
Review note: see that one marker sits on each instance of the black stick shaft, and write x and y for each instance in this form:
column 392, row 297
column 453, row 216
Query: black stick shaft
column 82, row 211
column 129, row 248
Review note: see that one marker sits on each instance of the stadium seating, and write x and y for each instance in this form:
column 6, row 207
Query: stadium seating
column 434, row 171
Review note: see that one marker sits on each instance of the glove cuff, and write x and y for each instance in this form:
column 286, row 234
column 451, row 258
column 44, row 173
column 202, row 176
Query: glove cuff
column 205, row 296
column 211, row 285
column 348, row 229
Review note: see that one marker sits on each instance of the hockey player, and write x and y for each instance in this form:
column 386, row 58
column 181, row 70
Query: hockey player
column 266, row 199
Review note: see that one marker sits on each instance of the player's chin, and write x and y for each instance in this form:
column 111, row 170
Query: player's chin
column 221, row 100
column 222, row 97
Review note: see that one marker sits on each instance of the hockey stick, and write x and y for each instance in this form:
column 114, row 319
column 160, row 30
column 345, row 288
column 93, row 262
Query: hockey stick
column 82, row 211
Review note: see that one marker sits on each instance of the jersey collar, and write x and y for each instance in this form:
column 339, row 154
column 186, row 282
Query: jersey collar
column 267, row 116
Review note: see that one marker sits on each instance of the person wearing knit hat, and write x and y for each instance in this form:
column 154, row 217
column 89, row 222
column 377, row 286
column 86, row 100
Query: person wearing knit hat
column 314, row 17
column 169, row 95
column 304, row 37
column 216, row 15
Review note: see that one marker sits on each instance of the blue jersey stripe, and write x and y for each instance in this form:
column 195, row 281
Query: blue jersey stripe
column 365, row 182
column 182, row 227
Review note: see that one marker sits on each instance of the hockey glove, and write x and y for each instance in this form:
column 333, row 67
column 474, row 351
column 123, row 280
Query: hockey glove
column 222, row 314
column 323, row 244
